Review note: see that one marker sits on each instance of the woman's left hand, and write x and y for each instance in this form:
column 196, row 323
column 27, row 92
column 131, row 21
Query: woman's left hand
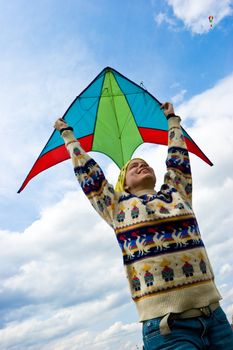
column 60, row 124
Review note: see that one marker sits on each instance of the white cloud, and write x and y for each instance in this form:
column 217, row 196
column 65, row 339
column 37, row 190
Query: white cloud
column 211, row 116
column 179, row 97
column 195, row 14
column 59, row 276
column 115, row 336
column 39, row 331
column 226, row 268
column 163, row 17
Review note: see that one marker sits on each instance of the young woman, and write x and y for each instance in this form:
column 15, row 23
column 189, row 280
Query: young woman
column 167, row 267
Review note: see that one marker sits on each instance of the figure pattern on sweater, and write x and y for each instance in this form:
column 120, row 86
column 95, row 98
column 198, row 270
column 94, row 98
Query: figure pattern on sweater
column 163, row 253
column 155, row 239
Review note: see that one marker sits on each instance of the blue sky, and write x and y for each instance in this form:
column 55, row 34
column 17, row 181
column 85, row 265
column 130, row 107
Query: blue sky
column 50, row 51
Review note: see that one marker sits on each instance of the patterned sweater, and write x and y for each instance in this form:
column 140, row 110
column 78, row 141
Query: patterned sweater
column 165, row 260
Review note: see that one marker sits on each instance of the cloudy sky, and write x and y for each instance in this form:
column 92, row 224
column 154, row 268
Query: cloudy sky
column 61, row 289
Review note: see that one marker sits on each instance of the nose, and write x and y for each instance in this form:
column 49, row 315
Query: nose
column 143, row 166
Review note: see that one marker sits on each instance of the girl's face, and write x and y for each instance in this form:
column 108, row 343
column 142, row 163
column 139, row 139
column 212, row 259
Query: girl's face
column 139, row 176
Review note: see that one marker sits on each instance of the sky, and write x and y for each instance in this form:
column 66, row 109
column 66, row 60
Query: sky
column 59, row 288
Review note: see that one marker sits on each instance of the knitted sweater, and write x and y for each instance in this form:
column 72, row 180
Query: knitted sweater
column 165, row 260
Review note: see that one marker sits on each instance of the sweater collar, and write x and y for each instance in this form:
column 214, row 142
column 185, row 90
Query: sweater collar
column 145, row 192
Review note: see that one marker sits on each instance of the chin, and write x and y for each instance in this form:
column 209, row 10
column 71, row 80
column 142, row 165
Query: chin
column 148, row 176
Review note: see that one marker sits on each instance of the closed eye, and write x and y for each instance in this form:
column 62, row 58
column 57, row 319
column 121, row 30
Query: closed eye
column 133, row 165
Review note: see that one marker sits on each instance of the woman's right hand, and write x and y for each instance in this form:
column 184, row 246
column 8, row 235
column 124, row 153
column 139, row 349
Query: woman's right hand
column 167, row 108
column 60, row 124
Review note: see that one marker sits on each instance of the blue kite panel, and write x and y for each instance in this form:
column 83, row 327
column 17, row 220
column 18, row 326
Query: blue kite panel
column 145, row 108
column 81, row 114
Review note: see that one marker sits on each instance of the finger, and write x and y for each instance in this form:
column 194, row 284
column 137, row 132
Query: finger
column 166, row 105
column 57, row 122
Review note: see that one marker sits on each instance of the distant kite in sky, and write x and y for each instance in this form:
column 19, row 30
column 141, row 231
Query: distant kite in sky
column 211, row 18
column 112, row 115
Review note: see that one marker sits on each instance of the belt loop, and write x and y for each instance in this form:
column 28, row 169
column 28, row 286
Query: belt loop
column 163, row 325
column 206, row 311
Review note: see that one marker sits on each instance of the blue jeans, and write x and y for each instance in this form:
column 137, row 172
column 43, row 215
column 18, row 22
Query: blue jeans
column 212, row 333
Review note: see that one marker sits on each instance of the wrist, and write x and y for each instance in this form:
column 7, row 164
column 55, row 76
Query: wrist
column 172, row 115
column 64, row 129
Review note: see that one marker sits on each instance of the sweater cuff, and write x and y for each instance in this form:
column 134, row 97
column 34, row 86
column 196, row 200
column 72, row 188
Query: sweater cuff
column 68, row 136
column 64, row 129
column 171, row 115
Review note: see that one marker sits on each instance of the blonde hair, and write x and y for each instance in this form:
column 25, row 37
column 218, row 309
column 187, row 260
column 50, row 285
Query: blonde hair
column 121, row 178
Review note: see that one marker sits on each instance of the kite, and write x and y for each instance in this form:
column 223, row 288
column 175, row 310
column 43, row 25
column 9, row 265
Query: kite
column 211, row 18
column 112, row 115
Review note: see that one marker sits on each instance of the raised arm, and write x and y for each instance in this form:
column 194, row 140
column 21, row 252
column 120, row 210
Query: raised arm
column 178, row 163
column 88, row 173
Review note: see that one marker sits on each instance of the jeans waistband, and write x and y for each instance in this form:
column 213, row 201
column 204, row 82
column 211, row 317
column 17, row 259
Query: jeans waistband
column 202, row 311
